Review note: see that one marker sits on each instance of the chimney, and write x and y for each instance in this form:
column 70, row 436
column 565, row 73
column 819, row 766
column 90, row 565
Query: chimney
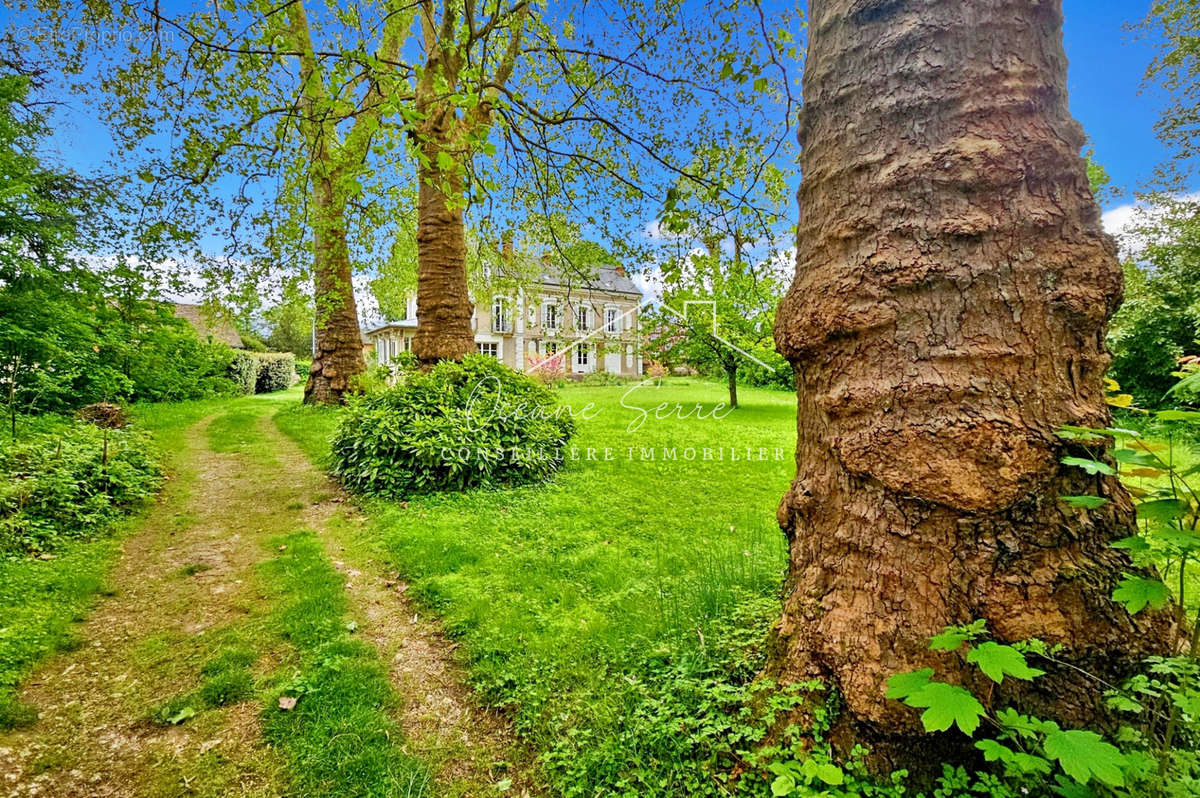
column 621, row 271
column 506, row 245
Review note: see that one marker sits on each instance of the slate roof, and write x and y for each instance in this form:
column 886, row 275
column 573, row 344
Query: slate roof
column 607, row 278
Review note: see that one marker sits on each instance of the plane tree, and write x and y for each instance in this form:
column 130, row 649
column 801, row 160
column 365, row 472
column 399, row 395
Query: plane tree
column 946, row 318
column 292, row 134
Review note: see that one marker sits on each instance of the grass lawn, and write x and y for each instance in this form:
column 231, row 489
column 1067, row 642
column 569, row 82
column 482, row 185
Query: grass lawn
column 618, row 611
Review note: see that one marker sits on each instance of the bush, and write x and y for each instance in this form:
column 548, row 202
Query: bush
column 461, row 425
column 57, row 487
column 243, row 371
column 262, row 372
column 276, row 372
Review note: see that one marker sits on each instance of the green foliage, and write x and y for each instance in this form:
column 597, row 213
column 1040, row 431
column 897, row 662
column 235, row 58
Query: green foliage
column 276, row 372
column 70, row 334
column 243, row 372
column 1173, row 26
column 1159, row 321
column 291, row 323
column 1028, row 749
column 262, row 372
column 41, row 599
column 718, row 309
column 461, row 425
column 72, row 484
column 1136, row 593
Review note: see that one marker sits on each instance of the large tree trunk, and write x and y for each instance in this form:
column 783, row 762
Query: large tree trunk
column 338, row 353
column 948, row 313
column 443, row 305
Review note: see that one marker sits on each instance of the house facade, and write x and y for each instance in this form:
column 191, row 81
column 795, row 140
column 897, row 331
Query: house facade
column 569, row 325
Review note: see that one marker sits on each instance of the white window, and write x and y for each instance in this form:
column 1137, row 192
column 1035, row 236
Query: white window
column 581, row 356
column 380, row 351
column 612, row 320
column 500, row 321
column 392, row 347
column 488, row 348
column 407, row 343
column 550, row 316
column 582, row 318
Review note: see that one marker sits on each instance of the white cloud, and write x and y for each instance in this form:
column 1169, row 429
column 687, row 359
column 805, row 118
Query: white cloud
column 1122, row 222
column 1117, row 220
column 650, row 283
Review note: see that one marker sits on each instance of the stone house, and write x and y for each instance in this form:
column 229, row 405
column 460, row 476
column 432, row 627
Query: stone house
column 574, row 325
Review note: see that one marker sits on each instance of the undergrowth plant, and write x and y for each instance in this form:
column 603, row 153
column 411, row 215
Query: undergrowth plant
column 1153, row 752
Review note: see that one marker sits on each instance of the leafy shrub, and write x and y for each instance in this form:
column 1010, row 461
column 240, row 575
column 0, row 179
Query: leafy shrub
column 461, row 425
column 56, row 487
column 243, row 372
column 276, row 371
column 262, row 372
column 302, row 368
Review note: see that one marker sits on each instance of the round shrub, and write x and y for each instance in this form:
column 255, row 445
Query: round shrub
column 460, row 425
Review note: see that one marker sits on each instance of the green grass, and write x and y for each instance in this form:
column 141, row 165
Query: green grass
column 580, row 604
column 339, row 736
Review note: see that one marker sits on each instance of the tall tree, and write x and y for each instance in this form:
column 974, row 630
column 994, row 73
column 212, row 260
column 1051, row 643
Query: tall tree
column 722, row 294
column 301, row 121
column 1175, row 24
column 946, row 318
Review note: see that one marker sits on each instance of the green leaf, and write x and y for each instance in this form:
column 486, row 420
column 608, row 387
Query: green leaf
column 1134, row 457
column 1163, row 510
column 1134, row 543
column 947, row 705
column 994, row 751
column 1084, row 755
column 830, row 773
column 1090, row 502
column 1090, row 466
column 997, row 661
column 1070, row 433
column 445, row 161
column 949, row 640
column 1178, row 415
column 903, row 685
column 181, row 716
column 783, row 785
column 761, row 84
column 1136, row 592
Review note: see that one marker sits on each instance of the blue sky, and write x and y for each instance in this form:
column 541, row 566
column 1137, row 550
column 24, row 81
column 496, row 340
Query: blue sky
column 1107, row 65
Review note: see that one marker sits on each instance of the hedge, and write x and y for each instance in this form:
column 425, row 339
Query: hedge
column 263, row 372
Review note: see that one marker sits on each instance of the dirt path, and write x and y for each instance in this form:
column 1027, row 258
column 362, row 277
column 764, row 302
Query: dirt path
column 186, row 585
column 187, row 571
column 466, row 745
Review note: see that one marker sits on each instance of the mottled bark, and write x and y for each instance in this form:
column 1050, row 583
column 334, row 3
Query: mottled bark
column 443, row 304
column 338, row 354
column 952, row 289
